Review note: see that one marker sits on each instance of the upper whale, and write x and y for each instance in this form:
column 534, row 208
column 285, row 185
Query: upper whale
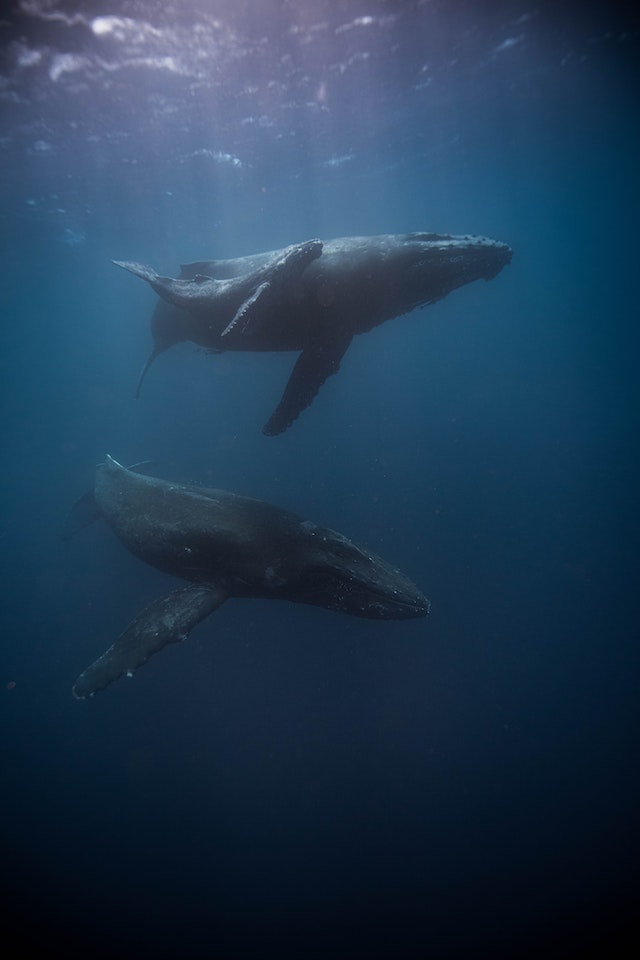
column 312, row 297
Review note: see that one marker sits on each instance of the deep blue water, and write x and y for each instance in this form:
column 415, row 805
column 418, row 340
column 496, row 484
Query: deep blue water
column 464, row 785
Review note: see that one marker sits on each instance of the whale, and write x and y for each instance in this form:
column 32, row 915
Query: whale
column 226, row 545
column 312, row 298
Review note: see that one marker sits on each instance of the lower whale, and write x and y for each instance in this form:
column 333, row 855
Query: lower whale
column 226, row 545
column 312, row 297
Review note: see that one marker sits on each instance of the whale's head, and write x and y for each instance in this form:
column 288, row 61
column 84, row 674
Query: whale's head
column 479, row 257
column 431, row 265
column 340, row 575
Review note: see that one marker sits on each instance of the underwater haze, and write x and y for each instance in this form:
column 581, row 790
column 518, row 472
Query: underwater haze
column 293, row 781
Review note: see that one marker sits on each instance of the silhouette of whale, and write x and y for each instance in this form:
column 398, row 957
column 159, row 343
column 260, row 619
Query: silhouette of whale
column 312, row 297
column 226, row 546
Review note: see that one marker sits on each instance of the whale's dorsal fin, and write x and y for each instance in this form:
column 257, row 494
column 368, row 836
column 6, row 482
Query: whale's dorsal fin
column 85, row 510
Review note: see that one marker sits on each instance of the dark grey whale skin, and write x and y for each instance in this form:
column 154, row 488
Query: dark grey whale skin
column 227, row 545
column 312, row 297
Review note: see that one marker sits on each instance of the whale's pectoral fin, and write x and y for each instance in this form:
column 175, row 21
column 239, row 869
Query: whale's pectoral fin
column 250, row 314
column 296, row 259
column 312, row 368
column 166, row 620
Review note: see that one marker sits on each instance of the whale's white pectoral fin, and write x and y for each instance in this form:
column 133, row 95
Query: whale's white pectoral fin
column 311, row 369
column 249, row 318
column 167, row 620
column 252, row 313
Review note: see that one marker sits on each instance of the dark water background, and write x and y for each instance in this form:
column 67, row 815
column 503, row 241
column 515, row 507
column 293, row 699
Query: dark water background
column 465, row 785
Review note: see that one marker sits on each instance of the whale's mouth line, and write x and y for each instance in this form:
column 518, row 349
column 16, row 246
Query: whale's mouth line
column 392, row 600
